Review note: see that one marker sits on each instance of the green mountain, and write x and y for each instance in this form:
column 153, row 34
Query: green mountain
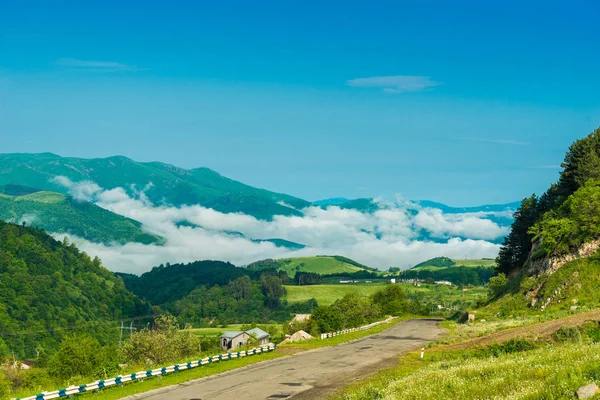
column 49, row 289
column 59, row 213
column 322, row 265
column 169, row 184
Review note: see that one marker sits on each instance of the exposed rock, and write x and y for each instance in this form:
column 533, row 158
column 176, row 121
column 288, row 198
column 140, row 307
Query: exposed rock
column 573, row 308
column 549, row 265
column 588, row 391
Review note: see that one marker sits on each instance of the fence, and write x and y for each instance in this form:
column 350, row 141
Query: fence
column 362, row 328
column 119, row 380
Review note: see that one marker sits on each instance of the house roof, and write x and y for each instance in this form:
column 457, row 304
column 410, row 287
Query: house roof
column 231, row 334
column 257, row 333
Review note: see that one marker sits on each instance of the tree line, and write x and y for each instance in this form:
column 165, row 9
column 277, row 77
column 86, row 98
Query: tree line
column 565, row 216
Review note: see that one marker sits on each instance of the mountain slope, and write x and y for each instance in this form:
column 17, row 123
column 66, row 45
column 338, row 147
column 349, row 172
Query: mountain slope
column 48, row 288
column 170, row 184
column 460, row 210
column 58, row 213
column 322, row 265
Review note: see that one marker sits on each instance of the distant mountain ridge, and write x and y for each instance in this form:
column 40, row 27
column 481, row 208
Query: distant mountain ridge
column 170, row 185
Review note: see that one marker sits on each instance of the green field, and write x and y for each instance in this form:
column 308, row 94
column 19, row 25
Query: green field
column 322, row 265
column 328, row 294
column 474, row 263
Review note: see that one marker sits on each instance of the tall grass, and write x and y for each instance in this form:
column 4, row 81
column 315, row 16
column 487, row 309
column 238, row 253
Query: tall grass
column 550, row 372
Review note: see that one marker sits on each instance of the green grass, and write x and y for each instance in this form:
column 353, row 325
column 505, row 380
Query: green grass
column 474, row 263
column 328, row 294
column 43, row 197
column 577, row 283
column 549, row 372
column 322, row 265
column 439, row 294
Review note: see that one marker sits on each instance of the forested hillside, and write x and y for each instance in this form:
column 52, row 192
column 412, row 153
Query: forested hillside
column 49, row 289
column 564, row 217
column 214, row 292
column 59, row 213
column 550, row 260
column 170, row 184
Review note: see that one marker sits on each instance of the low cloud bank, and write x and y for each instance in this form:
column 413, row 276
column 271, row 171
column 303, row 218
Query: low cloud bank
column 392, row 236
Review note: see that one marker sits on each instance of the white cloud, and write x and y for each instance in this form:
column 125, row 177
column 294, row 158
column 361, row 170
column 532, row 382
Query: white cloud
column 387, row 237
column 395, row 83
column 83, row 191
column 99, row 66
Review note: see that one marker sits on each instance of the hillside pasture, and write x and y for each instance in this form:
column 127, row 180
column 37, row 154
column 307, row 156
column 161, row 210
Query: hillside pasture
column 323, row 265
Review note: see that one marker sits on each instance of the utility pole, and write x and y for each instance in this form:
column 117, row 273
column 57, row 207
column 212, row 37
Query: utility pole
column 130, row 328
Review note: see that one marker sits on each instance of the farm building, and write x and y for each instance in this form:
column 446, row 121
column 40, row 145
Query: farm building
column 233, row 339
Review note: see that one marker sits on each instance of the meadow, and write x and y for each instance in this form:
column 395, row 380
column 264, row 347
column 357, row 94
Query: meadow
column 547, row 372
column 428, row 293
column 323, row 265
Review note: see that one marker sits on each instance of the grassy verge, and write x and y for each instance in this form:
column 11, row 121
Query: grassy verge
column 552, row 368
column 128, row 389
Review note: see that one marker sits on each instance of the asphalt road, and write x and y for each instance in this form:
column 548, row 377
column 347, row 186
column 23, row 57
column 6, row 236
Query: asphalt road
column 310, row 375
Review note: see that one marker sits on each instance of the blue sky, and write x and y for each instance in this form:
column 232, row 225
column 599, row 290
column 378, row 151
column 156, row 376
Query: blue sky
column 465, row 104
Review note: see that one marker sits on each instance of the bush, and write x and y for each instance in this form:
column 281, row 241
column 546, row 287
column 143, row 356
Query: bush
column 79, row 355
column 163, row 344
column 592, row 331
column 497, row 284
column 5, row 386
column 567, row 334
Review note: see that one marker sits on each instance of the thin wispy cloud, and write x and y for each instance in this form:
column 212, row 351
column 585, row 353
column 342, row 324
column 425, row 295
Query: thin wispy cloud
column 100, row 66
column 547, row 167
column 395, row 83
column 497, row 141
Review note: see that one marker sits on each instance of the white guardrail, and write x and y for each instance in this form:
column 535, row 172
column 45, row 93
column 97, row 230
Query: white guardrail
column 121, row 379
column 362, row 328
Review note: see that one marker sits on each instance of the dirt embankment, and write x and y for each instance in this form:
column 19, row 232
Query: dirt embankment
column 540, row 330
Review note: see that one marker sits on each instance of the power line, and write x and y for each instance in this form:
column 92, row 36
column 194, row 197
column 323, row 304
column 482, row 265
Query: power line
column 73, row 327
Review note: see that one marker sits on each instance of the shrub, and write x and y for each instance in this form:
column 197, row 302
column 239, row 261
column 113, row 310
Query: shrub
column 5, row 385
column 78, row 356
column 497, row 284
column 567, row 334
column 165, row 343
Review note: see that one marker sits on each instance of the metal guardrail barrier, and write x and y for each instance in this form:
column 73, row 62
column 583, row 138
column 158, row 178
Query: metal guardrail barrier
column 119, row 380
column 362, row 328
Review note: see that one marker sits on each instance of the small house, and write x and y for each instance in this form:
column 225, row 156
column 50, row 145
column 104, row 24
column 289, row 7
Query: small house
column 261, row 336
column 233, row 339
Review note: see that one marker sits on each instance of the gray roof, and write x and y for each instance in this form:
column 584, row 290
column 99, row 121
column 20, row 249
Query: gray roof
column 257, row 333
column 231, row 334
